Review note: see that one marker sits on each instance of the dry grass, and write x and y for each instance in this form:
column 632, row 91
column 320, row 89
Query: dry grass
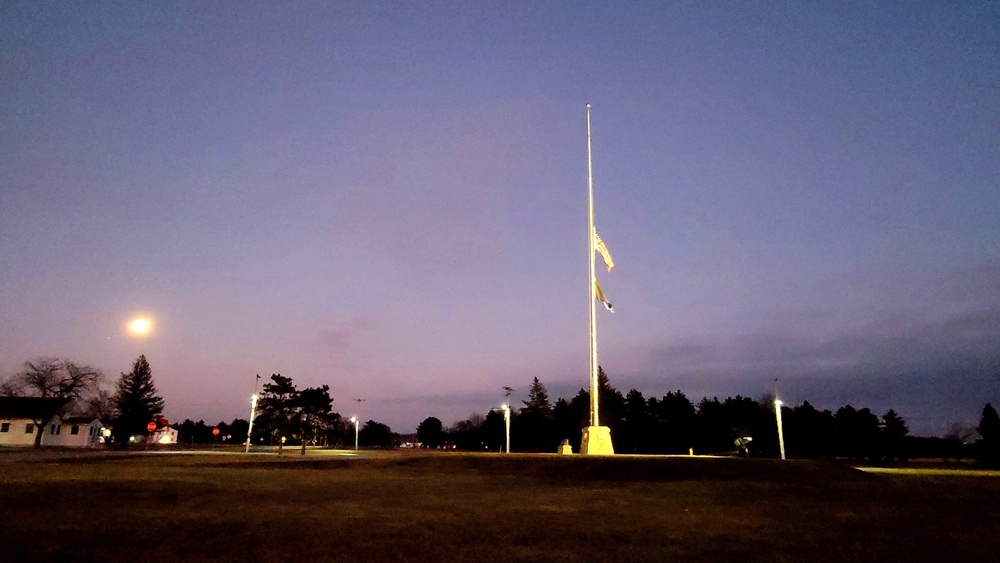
column 395, row 507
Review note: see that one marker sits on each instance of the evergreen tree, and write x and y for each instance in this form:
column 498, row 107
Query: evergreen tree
column 611, row 405
column 136, row 402
column 538, row 400
column 809, row 432
column 566, row 425
column 675, row 424
column 611, row 401
column 989, row 429
column 634, row 436
column 714, row 434
column 857, row 432
column 894, row 429
column 533, row 428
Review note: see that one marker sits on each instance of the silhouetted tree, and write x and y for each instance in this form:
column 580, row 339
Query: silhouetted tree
column 572, row 418
column 988, row 447
column 493, row 431
column 375, row 434
column 100, row 405
column 276, row 407
column 190, row 432
column 857, row 433
column 430, row 432
column 894, row 430
column 633, row 434
column 675, row 423
column 564, row 424
column 237, row 430
column 808, row 431
column 714, row 433
column 312, row 411
column 136, row 402
column 611, row 405
column 468, row 434
column 532, row 427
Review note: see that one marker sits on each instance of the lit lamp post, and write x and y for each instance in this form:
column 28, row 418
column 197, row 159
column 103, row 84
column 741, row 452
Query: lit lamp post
column 355, row 420
column 253, row 414
column 506, row 422
column 781, row 434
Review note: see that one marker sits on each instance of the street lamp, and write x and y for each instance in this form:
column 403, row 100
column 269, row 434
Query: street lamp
column 355, row 420
column 253, row 414
column 506, row 422
column 781, row 434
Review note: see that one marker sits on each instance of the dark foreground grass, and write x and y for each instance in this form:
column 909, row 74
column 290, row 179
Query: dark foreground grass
column 426, row 508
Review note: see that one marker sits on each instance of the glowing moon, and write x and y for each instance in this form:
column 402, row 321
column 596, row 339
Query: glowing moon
column 140, row 326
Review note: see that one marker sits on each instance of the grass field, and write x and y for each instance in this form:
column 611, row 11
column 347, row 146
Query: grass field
column 329, row 506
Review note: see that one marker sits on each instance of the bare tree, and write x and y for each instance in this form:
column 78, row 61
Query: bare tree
column 60, row 379
column 11, row 387
column 100, row 405
column 64, row 381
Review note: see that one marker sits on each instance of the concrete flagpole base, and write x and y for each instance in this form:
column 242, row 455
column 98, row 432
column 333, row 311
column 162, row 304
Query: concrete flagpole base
column 597, row 441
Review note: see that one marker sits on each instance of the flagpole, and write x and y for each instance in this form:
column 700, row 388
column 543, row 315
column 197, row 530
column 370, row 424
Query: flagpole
column 594, row 419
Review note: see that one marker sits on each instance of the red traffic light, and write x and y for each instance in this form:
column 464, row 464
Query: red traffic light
column 151, row 426
column 215, row 431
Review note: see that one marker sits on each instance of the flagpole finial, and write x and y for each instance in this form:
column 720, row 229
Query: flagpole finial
column 588, row 106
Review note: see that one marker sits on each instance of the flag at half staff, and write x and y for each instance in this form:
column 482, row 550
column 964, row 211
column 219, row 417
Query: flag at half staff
column 600, row 297
column 602, row 248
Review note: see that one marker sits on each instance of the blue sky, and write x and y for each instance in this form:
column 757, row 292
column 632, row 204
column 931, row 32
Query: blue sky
column 392, row 199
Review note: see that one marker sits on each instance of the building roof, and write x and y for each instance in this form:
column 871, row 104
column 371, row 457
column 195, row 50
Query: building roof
column 80, row 420
column 30, row 407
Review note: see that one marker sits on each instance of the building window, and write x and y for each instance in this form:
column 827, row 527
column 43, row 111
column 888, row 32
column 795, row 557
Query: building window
column 29, row 428
column 52, row 430
column 74, row 430
column 58, row 428
column 5, row 426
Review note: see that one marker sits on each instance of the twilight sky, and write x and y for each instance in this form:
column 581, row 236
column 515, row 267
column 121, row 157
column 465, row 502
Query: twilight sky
column 390, row 198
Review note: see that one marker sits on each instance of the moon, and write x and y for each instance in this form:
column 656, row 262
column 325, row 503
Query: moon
column 140, row 326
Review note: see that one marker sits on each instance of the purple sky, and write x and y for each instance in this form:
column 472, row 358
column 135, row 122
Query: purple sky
column 391, row 199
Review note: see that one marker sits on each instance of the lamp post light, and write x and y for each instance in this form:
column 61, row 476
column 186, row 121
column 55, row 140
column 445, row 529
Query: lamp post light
column 781, row 434
column 355, row 420
column 253, row 414
column 506, row 422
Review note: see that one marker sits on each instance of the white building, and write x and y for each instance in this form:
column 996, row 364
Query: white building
column 164, row 435
column 19, row 417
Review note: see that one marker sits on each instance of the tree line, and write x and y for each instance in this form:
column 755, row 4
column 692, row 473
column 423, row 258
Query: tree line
column 671, row 424
column 674, row 424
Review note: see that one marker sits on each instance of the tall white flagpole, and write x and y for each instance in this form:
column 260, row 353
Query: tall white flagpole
column 594, row 418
